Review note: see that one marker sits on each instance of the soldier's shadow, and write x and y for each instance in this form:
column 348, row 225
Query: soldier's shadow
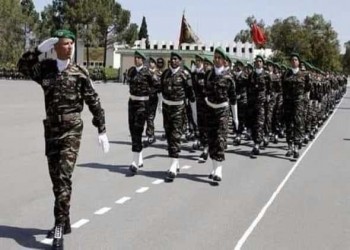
column 25, row 237
column 124, row 169
column 247, row 153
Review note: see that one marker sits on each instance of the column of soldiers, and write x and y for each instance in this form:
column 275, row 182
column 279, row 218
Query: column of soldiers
column 267, row 101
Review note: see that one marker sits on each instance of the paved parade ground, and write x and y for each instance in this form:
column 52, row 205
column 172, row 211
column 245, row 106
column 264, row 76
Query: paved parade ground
column 266, row 203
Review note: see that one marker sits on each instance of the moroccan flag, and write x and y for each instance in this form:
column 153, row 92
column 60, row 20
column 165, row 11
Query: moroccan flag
column 258, row 35
column 186, row 33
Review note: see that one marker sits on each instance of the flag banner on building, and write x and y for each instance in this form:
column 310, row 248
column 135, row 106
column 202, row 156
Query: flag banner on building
column 186, row 33
column 258, row 35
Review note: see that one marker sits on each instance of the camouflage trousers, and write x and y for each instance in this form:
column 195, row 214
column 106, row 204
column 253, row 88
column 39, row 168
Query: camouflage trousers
column 138, row 113
column 152, row 109
column 270, row 107
column 294, row 119
column 277, row 117
column 217, row 120
column 202, row 121
column 62, row 142
column 242, row 107
column 258, row 121
column 173, row 121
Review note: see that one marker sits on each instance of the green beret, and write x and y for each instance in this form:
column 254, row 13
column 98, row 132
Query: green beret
column 140, row 54
column 187, row 68
column 220, row 51
column 64, row 34
column 284, row 67
column 249, row 65
column 175, row 54
column 207, row 60
column 294, row 54
column 260, row 57
column 239, row 62
column 270, row 62
column 278, row 66
column 152, row 59
column 199, row 57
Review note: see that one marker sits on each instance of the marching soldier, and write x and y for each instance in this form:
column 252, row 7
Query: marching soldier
column 260, row 86
column 66, row 87
column 220, row 93
column 295, row 87
column 153, row 101
column 175, row 87
column 141, row 82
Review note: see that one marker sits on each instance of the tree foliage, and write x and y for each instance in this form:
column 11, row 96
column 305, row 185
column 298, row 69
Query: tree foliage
column 143, row 33
column 346, row 59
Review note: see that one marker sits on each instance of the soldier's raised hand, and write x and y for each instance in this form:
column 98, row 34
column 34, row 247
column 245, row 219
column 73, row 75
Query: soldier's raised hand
column 48, row 44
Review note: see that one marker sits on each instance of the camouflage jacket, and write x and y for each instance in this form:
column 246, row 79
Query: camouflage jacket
column 220, row 88
column 142, row 83
column 259, row 86
column 276, row 83
column 295, row 85
column 198, row 84
column 66, row 91
column 178, row 86
column 241, row 85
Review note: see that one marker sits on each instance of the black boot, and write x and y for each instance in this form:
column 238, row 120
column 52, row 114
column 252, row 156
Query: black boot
column 57, row 243
column 290, row 150
column 66, row 230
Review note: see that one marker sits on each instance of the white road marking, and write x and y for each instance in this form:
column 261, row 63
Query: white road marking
column 142, row 190
column 47, row 241
column 186, row 167
column 122, row 200
column 80, row 223
column 102, row 210
column 262, row 212
column 159, row 181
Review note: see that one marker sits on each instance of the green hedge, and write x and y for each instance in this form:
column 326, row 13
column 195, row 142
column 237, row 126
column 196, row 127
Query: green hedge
column 104, row 74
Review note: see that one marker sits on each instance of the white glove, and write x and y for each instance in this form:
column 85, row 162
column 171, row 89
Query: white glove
column 48, row 44
column 194, row 112
column 160, row 103
column 235, row 115
column 103, row 141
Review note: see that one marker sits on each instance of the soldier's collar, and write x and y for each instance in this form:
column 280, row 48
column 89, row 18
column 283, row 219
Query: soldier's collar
column 62, row 64
column 174, row 71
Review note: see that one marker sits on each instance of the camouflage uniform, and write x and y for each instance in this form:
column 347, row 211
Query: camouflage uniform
column 140, row 83
column 175, row 88
column 65, row 93
column 294, row 88
column 241, row 81
column 199, row 90
column 220, row 92
column 259, row 85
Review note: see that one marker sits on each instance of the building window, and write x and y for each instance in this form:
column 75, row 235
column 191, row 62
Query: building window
column 163, row 46
column 203, row 48
column 250, row 50
column 243, row 50
column 195, row 47
column 155, row 46
column 211, row 48
column 227, row 49
column 187, row 47
column 235, row 50
column 171, row 47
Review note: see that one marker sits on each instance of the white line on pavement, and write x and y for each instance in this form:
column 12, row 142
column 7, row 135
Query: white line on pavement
column 186, row 167
column 102, row 210
column 80, row 223
column 262, row 212
column 142, row 190
column 158, row 181
column 123, row 200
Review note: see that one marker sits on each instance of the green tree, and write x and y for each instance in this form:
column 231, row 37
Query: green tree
column 12, row 39
column 346, row 59
column 130, row 35
column 143, row 33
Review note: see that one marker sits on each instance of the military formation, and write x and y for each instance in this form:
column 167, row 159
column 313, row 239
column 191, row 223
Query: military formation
column 262, row 102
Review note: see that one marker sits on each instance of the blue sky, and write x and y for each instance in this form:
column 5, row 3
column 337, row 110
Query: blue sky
column 221, row 20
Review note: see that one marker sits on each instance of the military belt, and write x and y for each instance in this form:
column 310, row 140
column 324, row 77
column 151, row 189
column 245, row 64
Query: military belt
column 139, row 98
column 216, row 105
column 172, row 103
column 63, row 117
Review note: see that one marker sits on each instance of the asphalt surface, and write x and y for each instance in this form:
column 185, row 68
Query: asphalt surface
column 266, row 203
